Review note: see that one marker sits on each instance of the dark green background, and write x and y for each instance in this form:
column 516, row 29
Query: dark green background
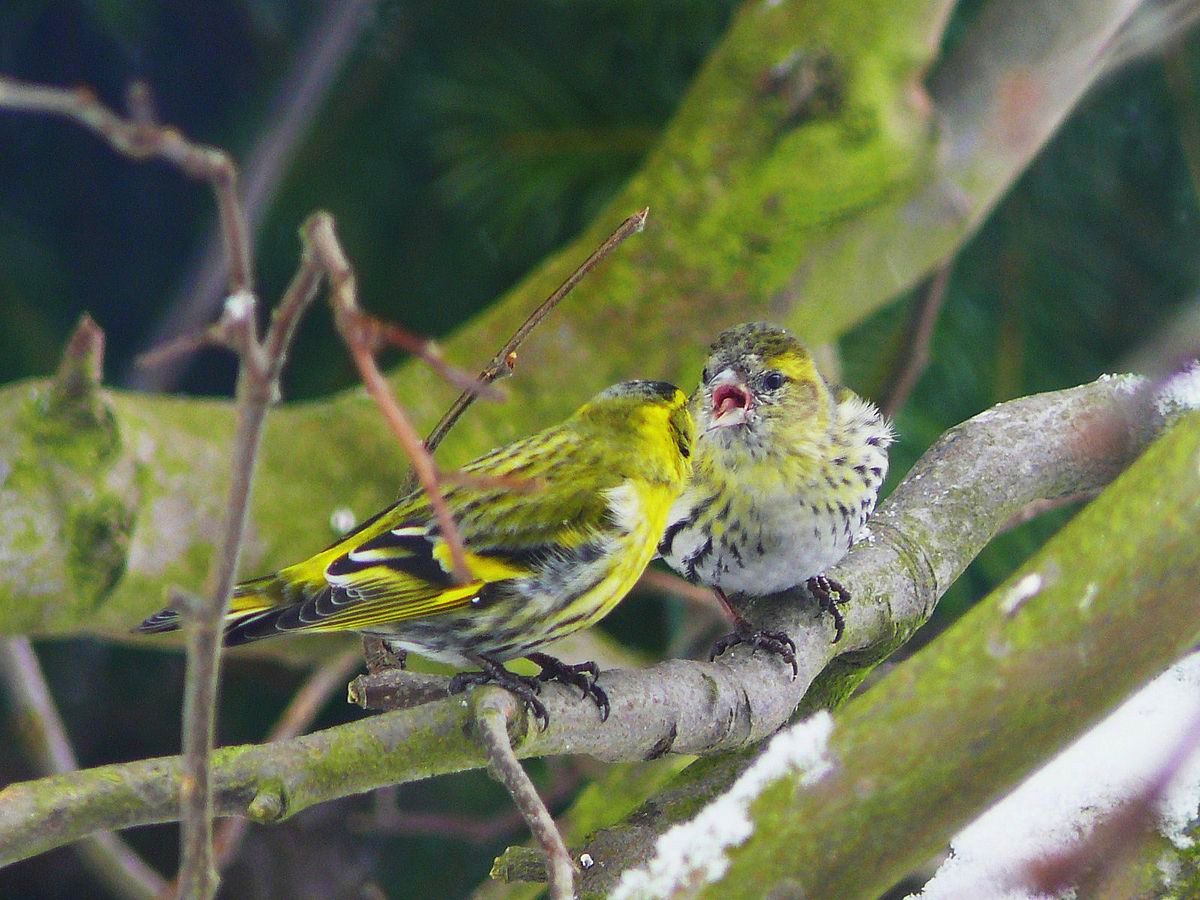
column 460, row 144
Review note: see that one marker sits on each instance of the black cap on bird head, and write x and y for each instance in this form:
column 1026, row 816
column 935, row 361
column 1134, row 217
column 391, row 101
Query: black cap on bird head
column 640, row 390
column 650, row 409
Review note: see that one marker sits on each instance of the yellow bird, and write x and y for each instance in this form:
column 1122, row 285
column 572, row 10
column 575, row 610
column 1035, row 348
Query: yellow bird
column 544, row 562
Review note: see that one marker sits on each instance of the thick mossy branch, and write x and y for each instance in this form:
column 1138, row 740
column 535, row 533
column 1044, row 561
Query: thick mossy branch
column 1107, row 604
column 809, row 208
column 955, row 498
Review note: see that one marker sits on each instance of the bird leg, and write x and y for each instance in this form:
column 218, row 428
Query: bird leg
column 524, row 687
column 776, row 642
column 829, row 594
column 582, row 675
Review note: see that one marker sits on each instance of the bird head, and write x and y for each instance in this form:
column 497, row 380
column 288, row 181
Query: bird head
column 759, row 386
column 652, row 421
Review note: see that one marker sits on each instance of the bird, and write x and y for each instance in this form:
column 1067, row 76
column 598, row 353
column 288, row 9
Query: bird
column 785, row 472
column 556, row 529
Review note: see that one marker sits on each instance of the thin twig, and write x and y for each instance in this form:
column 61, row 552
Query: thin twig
column 388, row 334
column 666, row 583
column 285, row 319
column 396, row 688
column 298, row 96
column 197, row 875
column 143, row 140
column 918, row 338
column 322, row 240
column 503, row 362
column 491, row 718
column 1036, row 508
column 172, row 350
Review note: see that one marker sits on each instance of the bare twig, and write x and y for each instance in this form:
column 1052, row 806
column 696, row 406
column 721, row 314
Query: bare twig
column 197, row 876
column 285, row 319
column 492, row 713
column 378, row 334
column 918, row 338
column 299, row 95
column 175, row 349
column 142, row 140
column 322, row 241
column 38, row 724
column 505, row 361
column 1038, row 507
column 667, row 583
column 258, row 387
column 396, row 688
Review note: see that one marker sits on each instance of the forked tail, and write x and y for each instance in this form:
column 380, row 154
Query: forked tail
column 253, row 609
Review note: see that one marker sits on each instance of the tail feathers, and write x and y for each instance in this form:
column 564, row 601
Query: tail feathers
column 253, row 610
column 254, row 626
column 162, row 621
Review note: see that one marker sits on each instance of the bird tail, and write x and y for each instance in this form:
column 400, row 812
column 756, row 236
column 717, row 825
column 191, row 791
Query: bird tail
column 253, row 609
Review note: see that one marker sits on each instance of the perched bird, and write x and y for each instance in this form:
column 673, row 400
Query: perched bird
column 550, row 553
column 786, row 471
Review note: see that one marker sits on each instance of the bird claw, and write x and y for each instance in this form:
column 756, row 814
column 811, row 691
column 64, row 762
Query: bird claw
column 525, row 688
column 830, row 594
column 776, row 642
column 582, row 675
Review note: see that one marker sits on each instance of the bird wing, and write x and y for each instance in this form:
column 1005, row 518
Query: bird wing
column 398, row 567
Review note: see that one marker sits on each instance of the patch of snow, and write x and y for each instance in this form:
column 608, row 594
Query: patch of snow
column 1180, row 393
column 1060, row 804
column 693, row 853
column 1016, row 596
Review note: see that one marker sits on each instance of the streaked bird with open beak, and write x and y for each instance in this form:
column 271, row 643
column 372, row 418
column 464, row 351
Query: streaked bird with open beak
column 786, row 470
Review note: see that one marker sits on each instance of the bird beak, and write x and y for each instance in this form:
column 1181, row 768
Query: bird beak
column 731, row 400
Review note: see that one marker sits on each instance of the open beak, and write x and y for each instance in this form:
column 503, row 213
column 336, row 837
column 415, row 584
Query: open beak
column 731, row 400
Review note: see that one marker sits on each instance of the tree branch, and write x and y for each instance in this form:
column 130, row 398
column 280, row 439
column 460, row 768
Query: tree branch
column 956, row 497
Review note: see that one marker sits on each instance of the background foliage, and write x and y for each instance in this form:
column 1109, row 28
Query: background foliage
column 460, row 145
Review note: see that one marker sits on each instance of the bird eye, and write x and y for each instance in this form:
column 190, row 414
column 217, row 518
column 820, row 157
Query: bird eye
column 705, row 375
column 773, row 381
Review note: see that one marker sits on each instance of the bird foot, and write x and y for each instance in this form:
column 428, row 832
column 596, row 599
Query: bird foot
column 829, row 595
column 582, row 675
column 776, row 642
column 524, row 687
